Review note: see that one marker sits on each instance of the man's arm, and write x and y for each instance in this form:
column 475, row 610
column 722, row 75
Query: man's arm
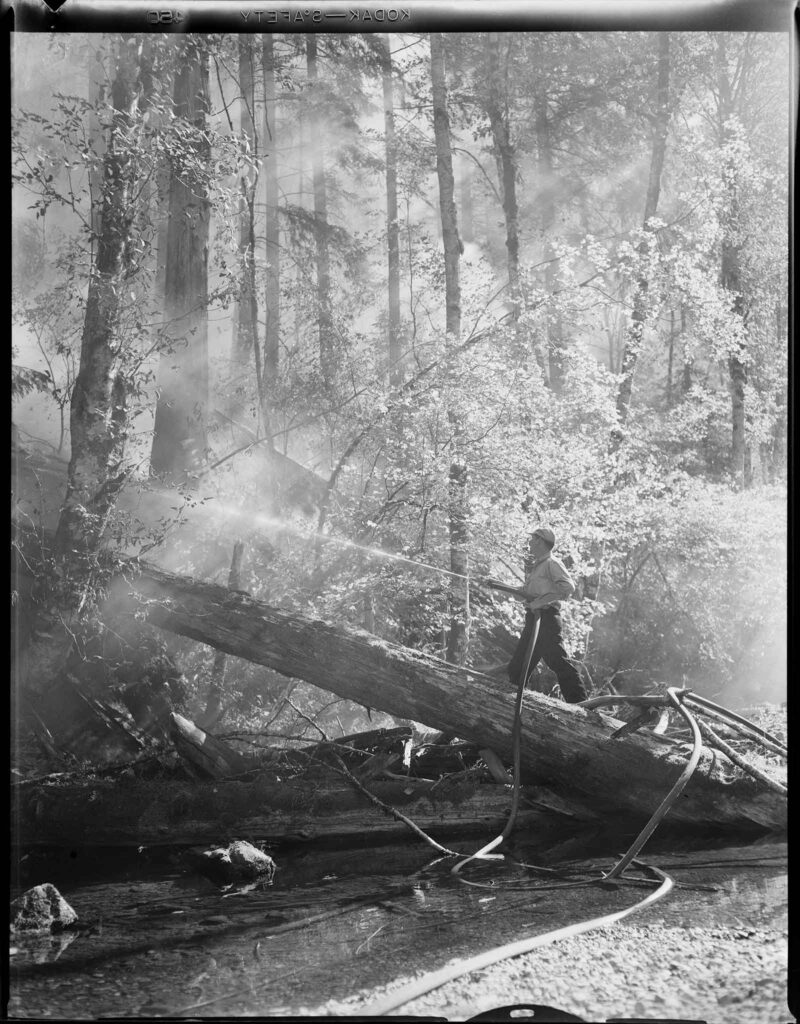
column 562, row 587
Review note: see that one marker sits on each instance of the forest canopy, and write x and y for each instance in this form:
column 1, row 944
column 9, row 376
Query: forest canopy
column 296, row 312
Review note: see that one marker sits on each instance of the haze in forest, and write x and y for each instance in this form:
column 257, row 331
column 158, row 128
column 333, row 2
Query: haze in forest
column 587, row 328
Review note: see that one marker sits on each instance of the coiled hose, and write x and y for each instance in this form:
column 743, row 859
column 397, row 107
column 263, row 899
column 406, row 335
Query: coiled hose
column 436, row 979
column 744, row 724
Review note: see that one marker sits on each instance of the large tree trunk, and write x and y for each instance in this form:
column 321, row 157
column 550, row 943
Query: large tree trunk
column 162, row 190
column 273, row 253
column 327, row 353
column 392, row 222
column 641, row 302
column 247, row 355
column 245, row 322
column 179, row 437
column 466, row 200
column 731, row 278
column 458, row 481
column 97, row 97
column 99, row 410
column 563, row 747
column 556, row 341
column 497, row 111
column 737, row 370
column 140, row 813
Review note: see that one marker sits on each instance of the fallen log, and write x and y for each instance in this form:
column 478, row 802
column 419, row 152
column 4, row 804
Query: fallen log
column 208, row 756
column 132, row 812
column 360, row 748
column 211, row 758
column 435, row 759
column 370, row 740
column 566, row 748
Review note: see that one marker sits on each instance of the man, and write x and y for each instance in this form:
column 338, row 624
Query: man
column 546, row 586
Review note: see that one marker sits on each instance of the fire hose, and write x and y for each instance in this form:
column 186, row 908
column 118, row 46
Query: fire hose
column 516, row 741
column 674, row 696
column 436, row 979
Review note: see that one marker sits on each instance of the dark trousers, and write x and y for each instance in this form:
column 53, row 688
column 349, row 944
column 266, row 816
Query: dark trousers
column 550, row 647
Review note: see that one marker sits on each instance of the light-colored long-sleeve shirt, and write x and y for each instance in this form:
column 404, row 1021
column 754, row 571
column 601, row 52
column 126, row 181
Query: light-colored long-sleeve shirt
column 549, row 578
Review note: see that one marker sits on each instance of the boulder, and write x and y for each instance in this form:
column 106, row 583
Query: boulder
column 41, row 908
column 239, row 861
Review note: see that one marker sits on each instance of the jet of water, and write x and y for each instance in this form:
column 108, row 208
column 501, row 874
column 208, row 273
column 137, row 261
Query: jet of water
column 275, row 523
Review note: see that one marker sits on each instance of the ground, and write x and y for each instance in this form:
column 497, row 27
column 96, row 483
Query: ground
column 716, row 975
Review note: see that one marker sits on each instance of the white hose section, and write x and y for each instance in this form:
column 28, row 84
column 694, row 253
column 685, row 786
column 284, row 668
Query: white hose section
column 482, row 854
column 438, row 978
column 673, row 794
column 429, row 982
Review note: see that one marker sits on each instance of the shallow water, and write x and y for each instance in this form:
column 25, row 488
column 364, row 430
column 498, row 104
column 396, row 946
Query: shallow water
column 157, row 939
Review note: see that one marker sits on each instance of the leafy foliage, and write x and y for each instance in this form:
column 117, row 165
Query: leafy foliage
column 678, row 561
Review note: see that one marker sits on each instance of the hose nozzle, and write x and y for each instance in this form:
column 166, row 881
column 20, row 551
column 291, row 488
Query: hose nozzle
column 504, row 587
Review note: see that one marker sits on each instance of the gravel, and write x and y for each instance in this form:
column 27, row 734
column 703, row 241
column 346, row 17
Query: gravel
column 716, row 975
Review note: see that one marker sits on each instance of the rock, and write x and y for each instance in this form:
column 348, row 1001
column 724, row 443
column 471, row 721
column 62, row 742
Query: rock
column 239, row 861
column 251, row 860
column 42, row 908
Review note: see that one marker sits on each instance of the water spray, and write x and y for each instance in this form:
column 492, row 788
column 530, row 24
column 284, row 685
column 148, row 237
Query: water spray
column 282, row 525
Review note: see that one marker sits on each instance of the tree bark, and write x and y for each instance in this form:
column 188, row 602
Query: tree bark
column 688, row 360
column 563, row 746
column 458, row 478
column 161, row 189
column 136, row 813
column 273, row 247
column 327, row 354
column 97, row 141
column 466, row 202
column 670, row 357
column 210, row 757
column 392, row 221
column 179, row 437
column 497, row 111
column 99, row 407
column 444, row 173
column 555, row 333
column 245, row 336
column 731, row 281
column 641, row 302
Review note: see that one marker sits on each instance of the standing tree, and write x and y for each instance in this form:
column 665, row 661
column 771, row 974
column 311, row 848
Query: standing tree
column 246, row 351
column 272, row 295
column 641, row 301
column 731, row 255
column 555, row 340
column 497, row 110
column 392, row 222
column 318, row 143
column 458, row 500
column 179, row 439
column 99, row 409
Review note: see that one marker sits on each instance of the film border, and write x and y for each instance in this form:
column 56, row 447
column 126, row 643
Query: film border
column 258, row 16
